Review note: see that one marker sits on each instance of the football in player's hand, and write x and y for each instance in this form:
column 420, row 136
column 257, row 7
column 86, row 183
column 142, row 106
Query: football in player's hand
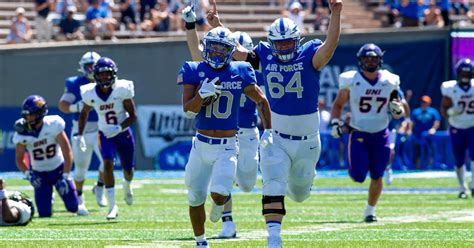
column 210, row 99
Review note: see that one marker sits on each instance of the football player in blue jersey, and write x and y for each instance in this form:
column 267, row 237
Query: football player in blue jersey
column 212, row 92
column 290, row 72
column 248, row 135
column 71, row 102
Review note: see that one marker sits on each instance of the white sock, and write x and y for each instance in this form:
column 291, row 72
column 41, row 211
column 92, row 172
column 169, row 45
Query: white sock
column 200, row 238
column 111, row 196
column 460, row 173
column 472, row 175
column 369, row 210
column 81, row 199
column 126, row 186
column 274, row 228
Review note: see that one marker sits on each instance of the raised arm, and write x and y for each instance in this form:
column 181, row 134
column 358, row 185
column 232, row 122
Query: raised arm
column 325, row 52
column 192, row 39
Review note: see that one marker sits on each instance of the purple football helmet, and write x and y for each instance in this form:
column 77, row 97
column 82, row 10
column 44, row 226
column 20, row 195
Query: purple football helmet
column 34, row 105
column 370, row 50
column 464, row 71
column 105, row 72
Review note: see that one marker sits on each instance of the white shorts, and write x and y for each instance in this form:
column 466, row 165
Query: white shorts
column 289, row 166
column 210, row 164
column 247, row 163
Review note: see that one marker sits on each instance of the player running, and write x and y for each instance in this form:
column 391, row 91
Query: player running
column 112, row 99
column 212, row 91
column 373, row 94
column 457, row 105
column 71, row 102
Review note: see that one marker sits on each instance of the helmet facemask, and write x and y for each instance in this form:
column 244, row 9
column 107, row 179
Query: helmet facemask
column 217, row 54
column 370, row 63
column 105, row 78
column 285, row 49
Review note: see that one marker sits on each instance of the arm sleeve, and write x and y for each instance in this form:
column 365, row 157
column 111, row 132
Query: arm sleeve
column 18, row 139
column 253, row 59
column 345, row 81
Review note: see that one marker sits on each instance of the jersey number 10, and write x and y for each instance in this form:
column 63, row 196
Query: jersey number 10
column 213, row 109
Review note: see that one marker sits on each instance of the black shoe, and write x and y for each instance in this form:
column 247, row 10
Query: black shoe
column 462, row 195
column 370, row 219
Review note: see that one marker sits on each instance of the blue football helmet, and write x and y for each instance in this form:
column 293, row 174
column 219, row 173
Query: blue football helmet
column 86, row 64
column 218, row 47
column 464, row 71
column 244, row 39
column 105, row 72
column 370, row 50
column 34, row 105
column 25, row 199
column 284, row 37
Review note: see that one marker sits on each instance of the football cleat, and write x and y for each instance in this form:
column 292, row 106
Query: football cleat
column 82, row 210
column 370, row 219
column 216, row 212
column 202, row 244
column 99, row 195
column 228, row 231
column 462, row 195
column 113, row 213
column 274, row 242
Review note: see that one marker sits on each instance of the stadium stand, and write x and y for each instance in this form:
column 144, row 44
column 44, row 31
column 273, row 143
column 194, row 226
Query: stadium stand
column 252, row 16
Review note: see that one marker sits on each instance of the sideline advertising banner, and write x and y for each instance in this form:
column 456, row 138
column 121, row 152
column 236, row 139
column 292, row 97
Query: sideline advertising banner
column 165, row 134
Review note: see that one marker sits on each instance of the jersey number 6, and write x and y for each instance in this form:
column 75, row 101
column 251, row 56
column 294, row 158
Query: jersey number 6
column 111, row 118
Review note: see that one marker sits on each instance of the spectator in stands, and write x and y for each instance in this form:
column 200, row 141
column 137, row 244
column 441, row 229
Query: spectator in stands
column 44, row 28
column 174, row 8
column 460, row 7
column 160, row 18
column 82, row 5
column 411, row 12
column 61, row 10
column 97, row 22
column 146, row 6
column 109, row 5
column 20, row 30
column 69, row 28
column 433, row 15
column 321, row 20
column 128, row 14
column 319, row 4
column 425, row 121
column 392, row 12
column 296, row 13
column 443, row 5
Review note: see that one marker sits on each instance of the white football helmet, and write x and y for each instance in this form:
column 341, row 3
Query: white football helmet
column 218, row 47
column 282, row 31
column 86, row 64
column 243, row 39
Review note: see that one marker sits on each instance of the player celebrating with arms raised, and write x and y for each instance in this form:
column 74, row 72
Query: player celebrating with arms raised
column 373, row 94
column 112, row 99
column 290, row 72
column 211, row 92
column 458, row 105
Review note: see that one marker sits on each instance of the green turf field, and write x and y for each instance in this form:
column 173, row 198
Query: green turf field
column 159, row 218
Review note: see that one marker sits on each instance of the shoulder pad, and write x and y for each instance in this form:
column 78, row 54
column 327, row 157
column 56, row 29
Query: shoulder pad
column 346, row 78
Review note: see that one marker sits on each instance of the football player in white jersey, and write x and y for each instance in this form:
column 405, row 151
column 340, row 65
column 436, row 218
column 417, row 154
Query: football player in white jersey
column 212, row 90
column 247, row 135
column 16, row 208
column 290, row 72
column 71, row 102
column 112, row 99
column 44, row 138
column 373, row 94
column 457, row 105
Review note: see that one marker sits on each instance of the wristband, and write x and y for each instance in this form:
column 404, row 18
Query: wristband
column 190, row 25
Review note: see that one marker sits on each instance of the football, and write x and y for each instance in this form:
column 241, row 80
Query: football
column 208, row 100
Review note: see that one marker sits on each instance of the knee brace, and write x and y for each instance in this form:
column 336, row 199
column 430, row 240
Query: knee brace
column 273, row 199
